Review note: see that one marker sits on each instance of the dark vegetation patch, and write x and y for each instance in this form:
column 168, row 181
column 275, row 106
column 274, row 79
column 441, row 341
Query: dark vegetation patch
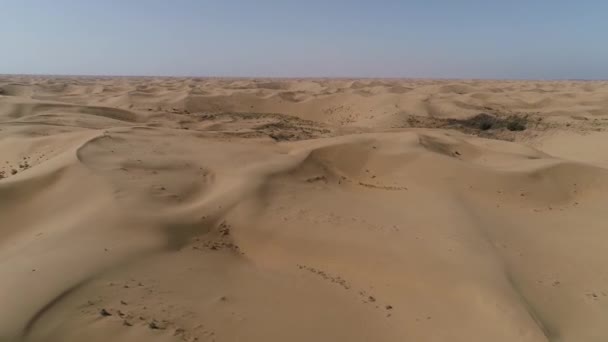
column 486, row 122
column 503, row 127
column 278, row 127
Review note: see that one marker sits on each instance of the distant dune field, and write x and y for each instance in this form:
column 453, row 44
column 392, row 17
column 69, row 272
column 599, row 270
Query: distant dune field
column 174, row 209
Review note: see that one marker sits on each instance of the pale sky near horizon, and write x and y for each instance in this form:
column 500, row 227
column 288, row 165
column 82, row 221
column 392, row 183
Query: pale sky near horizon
column 533, row 39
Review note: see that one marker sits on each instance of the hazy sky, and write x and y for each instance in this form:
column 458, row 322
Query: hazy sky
column 431, row 38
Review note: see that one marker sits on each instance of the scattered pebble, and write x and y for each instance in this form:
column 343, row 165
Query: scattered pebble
column 154, row 325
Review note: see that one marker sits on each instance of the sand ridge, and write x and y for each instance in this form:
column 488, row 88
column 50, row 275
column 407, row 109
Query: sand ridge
column 174, row 209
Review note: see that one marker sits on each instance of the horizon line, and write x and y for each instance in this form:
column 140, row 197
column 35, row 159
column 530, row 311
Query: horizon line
column 309, row 77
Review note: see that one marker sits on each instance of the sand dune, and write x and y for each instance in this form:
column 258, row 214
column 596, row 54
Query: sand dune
column 164, row 209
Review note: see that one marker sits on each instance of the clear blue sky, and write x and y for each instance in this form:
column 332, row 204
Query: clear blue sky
column 539, row 39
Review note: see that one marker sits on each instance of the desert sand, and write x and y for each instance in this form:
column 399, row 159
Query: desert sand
column 174, row 209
